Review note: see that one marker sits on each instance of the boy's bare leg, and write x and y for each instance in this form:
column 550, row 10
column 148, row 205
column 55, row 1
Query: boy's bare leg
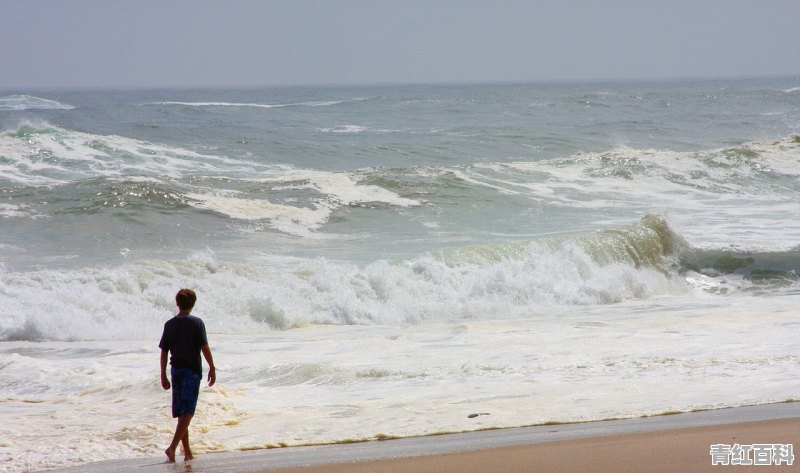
column 187, row 451
column 181, row 430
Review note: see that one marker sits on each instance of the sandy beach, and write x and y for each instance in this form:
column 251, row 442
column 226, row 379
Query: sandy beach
column 669, row 443
column 669, row 451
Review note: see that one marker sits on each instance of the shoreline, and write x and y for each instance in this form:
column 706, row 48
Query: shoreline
column 663, row 451
column 636, row 444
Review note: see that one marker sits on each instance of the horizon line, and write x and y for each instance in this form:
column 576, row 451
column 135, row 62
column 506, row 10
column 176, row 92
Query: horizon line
column 344, row 85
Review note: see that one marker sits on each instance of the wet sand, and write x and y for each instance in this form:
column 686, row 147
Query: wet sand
column 670, row 443
column 670, row 451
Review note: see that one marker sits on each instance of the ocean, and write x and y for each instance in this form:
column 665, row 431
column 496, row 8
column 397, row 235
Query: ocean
column 376, row 262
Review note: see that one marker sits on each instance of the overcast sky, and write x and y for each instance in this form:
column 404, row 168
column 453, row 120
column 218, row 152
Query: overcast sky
column 144, row 43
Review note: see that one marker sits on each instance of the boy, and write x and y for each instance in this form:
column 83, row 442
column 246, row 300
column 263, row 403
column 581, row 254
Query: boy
column 185, row 338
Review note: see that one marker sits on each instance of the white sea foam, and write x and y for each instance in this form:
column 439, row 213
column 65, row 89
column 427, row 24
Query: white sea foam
column 323, row 384
column 300, row 221
column 12, row 210
column 341, row 187
column 345, row 129
column 335, row 189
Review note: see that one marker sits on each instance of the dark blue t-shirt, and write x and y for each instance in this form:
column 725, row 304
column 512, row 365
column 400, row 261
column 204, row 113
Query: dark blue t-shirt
column 183, row 336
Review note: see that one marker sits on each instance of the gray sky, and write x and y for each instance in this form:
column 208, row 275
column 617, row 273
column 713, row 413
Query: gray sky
column 145, row 43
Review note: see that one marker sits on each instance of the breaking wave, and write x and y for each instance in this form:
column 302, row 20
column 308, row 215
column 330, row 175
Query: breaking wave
column 521, row 280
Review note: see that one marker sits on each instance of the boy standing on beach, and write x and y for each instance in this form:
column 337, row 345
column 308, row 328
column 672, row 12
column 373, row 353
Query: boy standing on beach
column 185, row 338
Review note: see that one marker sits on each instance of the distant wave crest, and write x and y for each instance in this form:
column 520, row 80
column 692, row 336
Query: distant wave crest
column 248, row 105
column 41, row 154
column 29, row 102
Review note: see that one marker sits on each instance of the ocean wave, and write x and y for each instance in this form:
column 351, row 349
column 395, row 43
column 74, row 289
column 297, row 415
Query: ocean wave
column 29, row 102
column 521, row 280
column 122, row 171
column 319, row 103
column 301, row 202
column 628, row 174
column 41, row 154
column 89, row 173
column 647, row 243
column 97, row 303
column 776, row 267
column 756, row 181
column 217, row 104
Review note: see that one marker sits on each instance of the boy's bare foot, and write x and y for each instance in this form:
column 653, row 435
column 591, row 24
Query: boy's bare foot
column 187, row 458
column 170, row 455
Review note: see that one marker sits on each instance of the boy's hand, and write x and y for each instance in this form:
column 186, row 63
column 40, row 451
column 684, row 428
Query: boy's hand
column 212, row 376
column 164, row 380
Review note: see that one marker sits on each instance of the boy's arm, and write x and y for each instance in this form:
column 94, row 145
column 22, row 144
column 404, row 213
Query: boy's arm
column 212, row 374
column 164, row 380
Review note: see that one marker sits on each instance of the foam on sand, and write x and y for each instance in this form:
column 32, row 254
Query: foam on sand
column 660, row 444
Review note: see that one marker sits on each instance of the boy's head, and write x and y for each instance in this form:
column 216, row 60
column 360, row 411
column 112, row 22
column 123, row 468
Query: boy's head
column 185, row 298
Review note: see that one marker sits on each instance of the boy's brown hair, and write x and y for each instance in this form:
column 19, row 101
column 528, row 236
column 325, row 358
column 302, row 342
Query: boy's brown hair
column 185, row 298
